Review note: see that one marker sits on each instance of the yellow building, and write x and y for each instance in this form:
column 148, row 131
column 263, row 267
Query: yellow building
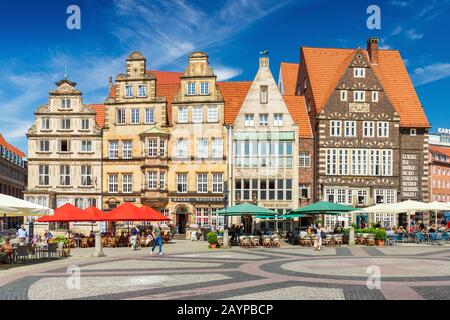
column 198, row 165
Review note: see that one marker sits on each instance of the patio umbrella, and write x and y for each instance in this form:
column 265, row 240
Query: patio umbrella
column 130, row 212
column 247, row 209
column 324, row 207
column 68, row 213
column 11, row 207
column 153, row 215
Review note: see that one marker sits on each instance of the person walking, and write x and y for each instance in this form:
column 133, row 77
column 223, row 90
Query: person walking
column 134, row 237
column 157, row 239
column 22, row 234
column 320, row 234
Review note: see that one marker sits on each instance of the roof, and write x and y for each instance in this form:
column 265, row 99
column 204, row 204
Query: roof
column 169, row 91
column 289, row 72
column 10, row 147
column 234, row 94
column 100, row 110
column 325, row 67
column 299, row 113
column 439, row 149
column 166, row 77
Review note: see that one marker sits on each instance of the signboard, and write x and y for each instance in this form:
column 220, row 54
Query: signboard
column 197, row 199
column 445, row 131
column 129, row 199
column 411, row 176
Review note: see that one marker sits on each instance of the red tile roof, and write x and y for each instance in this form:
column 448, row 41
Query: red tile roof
column 10, row 147
column 166, row 77
column 100, row 110
column 439, row 149
column 234, row 94
column 289, row 72
column 169, row 91
column 299, row 113
column 326, row 66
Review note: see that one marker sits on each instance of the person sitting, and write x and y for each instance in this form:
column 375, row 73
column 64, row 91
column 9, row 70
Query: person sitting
column 6, row 251
column 421, row 226
column 400, row 230
column 431, row 228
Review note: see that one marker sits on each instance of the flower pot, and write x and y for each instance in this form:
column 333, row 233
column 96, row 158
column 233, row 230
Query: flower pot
column 379, row 243
column 213, row 245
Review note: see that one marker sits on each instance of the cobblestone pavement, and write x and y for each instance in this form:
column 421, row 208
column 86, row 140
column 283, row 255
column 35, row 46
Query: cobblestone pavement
column 189, row 270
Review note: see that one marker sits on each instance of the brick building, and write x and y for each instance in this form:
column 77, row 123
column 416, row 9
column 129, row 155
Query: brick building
column 439, row 173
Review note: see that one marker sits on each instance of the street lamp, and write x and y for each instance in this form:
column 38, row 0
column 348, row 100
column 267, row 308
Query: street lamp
column 225, row 205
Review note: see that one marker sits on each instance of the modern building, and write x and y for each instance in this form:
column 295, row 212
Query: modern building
column 370, row 129
column 64, row 150
column 13, row 176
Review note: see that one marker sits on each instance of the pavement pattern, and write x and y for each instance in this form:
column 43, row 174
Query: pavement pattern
column 189, row 270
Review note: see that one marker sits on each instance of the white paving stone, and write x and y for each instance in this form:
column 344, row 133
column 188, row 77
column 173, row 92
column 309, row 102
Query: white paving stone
column 149, row 264
column 294, row 293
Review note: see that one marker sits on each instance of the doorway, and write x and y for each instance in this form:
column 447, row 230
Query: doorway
column 181, row 220
column 247, row 221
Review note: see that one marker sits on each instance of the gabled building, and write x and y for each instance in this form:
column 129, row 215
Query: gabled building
column 370, row 129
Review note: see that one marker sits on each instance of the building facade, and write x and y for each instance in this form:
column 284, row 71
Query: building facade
column 64, row 151
column 198, row 162
column 439, row 173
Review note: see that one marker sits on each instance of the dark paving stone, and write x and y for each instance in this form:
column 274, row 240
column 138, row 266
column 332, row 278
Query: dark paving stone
column 371, row 251
column 17, row 290
column 434, row 293
column 346, row 252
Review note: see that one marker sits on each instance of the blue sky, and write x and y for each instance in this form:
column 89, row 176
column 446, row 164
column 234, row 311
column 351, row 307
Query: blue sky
column 36, row 43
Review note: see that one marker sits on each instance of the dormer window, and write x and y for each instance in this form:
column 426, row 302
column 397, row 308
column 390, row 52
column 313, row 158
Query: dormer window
column 359, row 72
column 65, row 104
column 128, row 91
column 191, row 89
column 343, row 95
column 142, row 91
column 412, row 132
column 204, row 88
column 359, row 96
column 264, row 94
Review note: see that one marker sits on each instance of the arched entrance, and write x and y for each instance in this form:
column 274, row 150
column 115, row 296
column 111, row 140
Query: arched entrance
column 182, row 213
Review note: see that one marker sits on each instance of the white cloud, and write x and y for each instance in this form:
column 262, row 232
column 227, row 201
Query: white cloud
column 413, row 34
column 226, row 73
column 383, row 45
column 431, row 73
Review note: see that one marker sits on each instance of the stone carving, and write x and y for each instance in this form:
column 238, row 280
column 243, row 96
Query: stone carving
column 359, row 107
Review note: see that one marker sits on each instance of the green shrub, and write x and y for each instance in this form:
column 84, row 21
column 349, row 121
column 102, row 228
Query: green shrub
column 380, row 234
column 63, row 239
column 212, row 237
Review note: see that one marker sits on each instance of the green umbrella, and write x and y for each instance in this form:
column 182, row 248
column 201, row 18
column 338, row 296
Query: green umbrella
column 294, row 215
column 247, row 208
column 324, row 208
column 280, row 217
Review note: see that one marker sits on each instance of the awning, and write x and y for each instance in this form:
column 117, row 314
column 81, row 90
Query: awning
column 247, row 209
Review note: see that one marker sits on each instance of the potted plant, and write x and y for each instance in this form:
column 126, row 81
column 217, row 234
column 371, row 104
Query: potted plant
column 64, row 242
column 212, row 240
column 380, row 237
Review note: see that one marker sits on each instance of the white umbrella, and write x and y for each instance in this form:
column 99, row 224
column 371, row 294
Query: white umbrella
column 17, row 207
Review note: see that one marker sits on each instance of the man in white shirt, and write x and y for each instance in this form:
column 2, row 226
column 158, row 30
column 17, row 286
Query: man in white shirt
column 22, row 234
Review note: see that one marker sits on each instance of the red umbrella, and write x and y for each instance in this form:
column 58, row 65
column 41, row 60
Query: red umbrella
column 153, row 215
column 126, row 212
column 67, row 213
column 98, row 214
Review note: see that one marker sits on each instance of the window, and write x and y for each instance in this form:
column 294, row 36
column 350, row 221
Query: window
column 197, row 114
column 182, row 148
column 120, row 116
column 350, row 128
column 64, row 146
column 343, row 159
column 113, row 150
column 153, row 148
column 359, row 96
column 359, row 72
column 153, row 180
column 127, row 183
column 249, row 120
column 129, row 91
column 385, row 196
column 412, row 132
column 375, row 162
column 217, row 183
column 86, row 175
column 45, row 124
column 217, row 147
column 278, row 119
column 86, row 146
column 303, row 191
column 331, row 158
column 64, row 175
column 343, row 95
column 213, row 114
column 162, row 148
column 191, row 89
column 182, row 182
column 142, row 90
column 162, row 180
column 135, row 116
column 202, row 216
column 202, row 183
column 44, row 146
column 127, row 152
column 264, row 94
column 335, row 128
column 182, row 115
column 149, row 115
column 374, row 96
column 66, row 104
column 263, row 119
column 368, row 129
column 386, row 163
column 202, row 148
column 65, row 124
column 113, row 183
column 204, row 88
column 362, row 197
column 44, row 175
column 383, row 129
column 304, row 160
column 359, row 162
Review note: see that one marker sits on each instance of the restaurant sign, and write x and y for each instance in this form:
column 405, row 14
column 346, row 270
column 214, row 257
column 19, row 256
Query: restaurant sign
column 444, row 131
column 190, row 200
column 410, row 176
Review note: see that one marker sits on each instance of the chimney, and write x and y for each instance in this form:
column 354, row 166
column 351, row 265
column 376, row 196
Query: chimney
column 372, row 49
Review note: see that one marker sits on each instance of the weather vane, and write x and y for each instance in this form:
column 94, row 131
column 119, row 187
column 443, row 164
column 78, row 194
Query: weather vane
column 264, row 53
